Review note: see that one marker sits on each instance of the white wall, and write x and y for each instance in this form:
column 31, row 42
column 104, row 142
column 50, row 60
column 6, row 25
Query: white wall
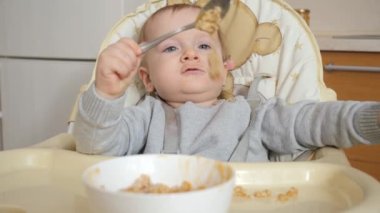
column 56, row 28
column 47, row 51
column 342, row 16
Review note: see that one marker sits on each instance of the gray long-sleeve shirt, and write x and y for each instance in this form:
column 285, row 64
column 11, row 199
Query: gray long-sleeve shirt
column 225, row 131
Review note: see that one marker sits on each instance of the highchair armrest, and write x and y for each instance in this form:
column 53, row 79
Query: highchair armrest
column 61, row 141
column 331, row 155
column 325, row 154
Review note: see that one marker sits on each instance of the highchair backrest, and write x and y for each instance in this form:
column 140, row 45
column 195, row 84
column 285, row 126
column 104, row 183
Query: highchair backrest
column 295, row 66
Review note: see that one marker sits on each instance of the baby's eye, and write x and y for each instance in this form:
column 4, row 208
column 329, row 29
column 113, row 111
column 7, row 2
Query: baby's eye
column 205, row 46
column 170, row 49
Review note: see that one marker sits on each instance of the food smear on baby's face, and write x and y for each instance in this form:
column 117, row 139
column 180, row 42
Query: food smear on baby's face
column 214, row 61
column 209, row 22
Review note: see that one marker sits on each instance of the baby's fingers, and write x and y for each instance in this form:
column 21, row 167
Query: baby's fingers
column 131, row 44
column 121, row 58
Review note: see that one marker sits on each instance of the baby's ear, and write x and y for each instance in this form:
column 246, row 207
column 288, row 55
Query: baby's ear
column 229, row 64
column 145, row 78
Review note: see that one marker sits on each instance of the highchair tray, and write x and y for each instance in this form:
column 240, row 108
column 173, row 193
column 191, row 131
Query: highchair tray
column 49, row 180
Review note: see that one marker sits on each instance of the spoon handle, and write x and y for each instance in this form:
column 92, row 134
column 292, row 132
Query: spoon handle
column 145, row 46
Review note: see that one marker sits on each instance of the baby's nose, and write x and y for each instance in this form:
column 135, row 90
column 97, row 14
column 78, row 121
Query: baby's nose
column 190, row 54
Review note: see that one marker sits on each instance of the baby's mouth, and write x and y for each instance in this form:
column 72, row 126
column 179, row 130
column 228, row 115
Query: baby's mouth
column 192, row 71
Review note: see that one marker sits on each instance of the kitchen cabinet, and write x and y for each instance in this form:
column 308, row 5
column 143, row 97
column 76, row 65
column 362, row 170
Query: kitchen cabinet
column 47, row 51
column 356, row 85
column 353, row 85
column 366, row 159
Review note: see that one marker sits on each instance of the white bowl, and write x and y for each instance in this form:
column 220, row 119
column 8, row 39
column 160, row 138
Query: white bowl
column 105, row 180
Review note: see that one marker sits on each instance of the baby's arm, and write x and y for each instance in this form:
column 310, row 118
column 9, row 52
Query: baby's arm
column 116, row 67
column 106, row 127
column 307, row 125
column 102, row 125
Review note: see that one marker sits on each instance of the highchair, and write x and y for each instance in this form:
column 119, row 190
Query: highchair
column 290, row 67
column 283, row 49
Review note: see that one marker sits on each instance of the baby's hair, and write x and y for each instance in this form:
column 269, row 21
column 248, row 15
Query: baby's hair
column 227, row 91
column 173, row 8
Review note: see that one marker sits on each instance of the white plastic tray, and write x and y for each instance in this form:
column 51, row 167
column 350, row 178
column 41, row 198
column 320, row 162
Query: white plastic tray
column 47, row 180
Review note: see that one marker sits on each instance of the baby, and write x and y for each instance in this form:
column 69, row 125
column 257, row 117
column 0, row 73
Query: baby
column 186, row 111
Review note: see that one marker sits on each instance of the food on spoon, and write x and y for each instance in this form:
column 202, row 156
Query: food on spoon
column 209, row 20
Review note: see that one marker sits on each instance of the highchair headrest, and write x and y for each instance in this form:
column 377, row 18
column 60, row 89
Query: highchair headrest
column 261, row 37
column 240, row 31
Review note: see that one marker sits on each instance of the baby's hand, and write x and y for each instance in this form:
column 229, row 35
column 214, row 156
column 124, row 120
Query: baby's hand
column 116, row 68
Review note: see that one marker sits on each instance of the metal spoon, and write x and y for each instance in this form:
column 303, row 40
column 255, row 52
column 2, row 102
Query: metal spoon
column 212, row 4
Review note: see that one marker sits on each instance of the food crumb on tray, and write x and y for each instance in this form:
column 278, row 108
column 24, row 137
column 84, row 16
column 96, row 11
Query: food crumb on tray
column 291, row 193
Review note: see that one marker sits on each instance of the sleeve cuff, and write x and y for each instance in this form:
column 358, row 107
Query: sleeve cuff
column 366, row 122
column 100, row 110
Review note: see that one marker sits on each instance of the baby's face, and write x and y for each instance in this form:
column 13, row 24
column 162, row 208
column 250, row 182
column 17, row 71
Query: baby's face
column 179, row 67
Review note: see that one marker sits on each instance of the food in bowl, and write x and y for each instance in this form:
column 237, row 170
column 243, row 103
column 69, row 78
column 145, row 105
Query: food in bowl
column 143, row 184
column 211, row 184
